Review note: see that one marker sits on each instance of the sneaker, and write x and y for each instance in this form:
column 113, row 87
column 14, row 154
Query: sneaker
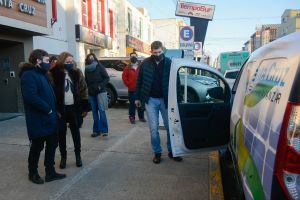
column 157, row 158
column 35, row 178
column 54, row 176
column 132, row 120
column 142, row 120
column 177, row 159
column 105, row 134
column 95, row 134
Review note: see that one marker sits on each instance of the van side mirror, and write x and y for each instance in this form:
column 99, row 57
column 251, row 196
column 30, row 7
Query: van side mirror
column 216, row 93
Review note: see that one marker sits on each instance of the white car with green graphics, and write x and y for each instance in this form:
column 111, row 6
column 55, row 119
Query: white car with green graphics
column 255, row 126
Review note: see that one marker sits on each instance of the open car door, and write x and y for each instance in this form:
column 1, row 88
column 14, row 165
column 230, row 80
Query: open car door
column 198, row 107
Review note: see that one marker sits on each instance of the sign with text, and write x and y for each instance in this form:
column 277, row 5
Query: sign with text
column 186, row 37
column 92, row 37
column 198, row 49
column 189, row 54
column 198, row 10
column 32, row 12
column 137, row 44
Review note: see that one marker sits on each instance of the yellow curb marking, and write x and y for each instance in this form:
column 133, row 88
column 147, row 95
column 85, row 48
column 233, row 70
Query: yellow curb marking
column 215, row 180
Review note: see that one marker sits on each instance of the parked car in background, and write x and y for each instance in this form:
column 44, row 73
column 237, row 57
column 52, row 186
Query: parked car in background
column 230, row 76
column 116, row 90
column 197, row 85
column 255, row 126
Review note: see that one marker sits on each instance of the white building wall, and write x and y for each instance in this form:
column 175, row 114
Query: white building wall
column 57, row 41
column 137, row 15
column 122, row 28
column 167, row 31
column 290, row 22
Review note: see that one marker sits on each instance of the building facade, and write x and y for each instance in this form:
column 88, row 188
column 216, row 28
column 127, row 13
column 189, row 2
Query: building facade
column 90, row 25
column 20, row 22
column 135, row 30
column 268, row 33
column 255, row 40
column 167, row 31
column 290, row 22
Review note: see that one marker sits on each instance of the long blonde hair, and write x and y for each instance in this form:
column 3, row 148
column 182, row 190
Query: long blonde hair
column 62, row 58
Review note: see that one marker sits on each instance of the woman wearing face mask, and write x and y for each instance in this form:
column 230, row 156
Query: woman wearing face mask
column 129, row 77
column 71, row 91
column 97, row 78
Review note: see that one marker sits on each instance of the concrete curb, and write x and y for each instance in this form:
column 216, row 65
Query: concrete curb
column 215, row 179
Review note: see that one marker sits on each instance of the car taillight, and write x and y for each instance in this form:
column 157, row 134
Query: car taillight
column 287, row 166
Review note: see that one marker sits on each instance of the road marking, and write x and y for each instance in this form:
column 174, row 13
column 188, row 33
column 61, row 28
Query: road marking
column 86, row 169
column 215, row 180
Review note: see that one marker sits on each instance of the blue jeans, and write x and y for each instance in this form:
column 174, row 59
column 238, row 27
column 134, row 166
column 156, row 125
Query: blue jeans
column 99, row 116
column 132, row 107
column 153, row 107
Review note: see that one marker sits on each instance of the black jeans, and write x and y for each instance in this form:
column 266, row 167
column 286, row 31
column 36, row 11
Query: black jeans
column 36, row 146
column 132, row 106
column 71, row 117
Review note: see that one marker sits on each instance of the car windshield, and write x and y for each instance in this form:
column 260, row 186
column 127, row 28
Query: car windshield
column 118, row 65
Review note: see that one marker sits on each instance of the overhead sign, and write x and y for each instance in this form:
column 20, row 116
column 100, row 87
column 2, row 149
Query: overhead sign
column 137, row 44
column 92, row 37
column 186, row 37
column 198, row 10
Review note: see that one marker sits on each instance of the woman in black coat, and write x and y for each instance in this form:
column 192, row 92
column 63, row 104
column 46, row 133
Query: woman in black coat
column 71, row 92
column 97, row 78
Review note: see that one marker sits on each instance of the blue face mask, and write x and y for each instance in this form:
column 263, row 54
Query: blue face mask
column 68, row 66
column 45, row 66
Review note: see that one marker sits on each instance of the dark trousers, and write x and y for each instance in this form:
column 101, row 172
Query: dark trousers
column 71, row 117
column 132, row 106
column 36, row 146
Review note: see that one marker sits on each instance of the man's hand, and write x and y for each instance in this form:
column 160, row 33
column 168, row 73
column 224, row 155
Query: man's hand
column 84, row 114
column 138, row 103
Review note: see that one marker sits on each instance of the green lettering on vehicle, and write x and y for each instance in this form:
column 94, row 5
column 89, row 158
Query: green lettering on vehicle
column 257, row 94
column 247, row 166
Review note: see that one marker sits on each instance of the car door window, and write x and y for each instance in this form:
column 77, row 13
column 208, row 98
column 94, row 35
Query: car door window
column 200, row 86
column 204, row 106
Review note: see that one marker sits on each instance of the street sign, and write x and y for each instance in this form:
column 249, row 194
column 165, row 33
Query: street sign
column 188, row 9
column 188, row 54
column 186, row 37
column 198, row 49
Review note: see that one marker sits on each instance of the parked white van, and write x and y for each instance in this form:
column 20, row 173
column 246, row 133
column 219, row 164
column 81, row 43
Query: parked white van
column 256, row 126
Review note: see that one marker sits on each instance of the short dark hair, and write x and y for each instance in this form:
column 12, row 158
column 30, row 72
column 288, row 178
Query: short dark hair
column 132, row 53
column 156, row 45
column 52, row 58
column 37, row 54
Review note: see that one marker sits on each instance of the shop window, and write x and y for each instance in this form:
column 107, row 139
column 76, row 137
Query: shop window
column 101, row 16
column 111, row 23
column 129, row 22
column 84, row 13
column 140, row 28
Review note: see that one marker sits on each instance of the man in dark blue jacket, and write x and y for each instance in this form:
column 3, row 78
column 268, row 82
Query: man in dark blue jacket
column 41, row 115
column 152, row 92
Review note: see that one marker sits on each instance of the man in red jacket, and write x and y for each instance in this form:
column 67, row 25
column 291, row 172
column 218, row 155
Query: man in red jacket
column 129, row 77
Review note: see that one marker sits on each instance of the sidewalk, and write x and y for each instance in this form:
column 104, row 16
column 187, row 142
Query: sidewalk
column 115, row 167
column 7, row 116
